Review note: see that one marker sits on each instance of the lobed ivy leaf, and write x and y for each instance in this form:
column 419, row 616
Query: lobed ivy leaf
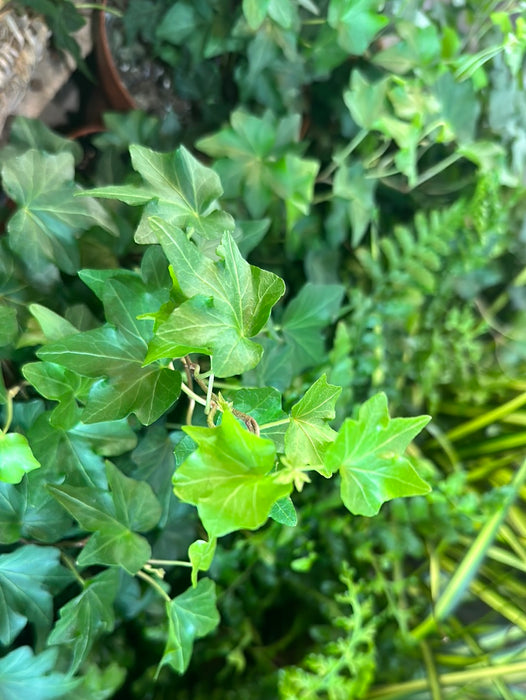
column 77, row 452
column 24, row 590
column 24, row 674
column 368, row 453
column 86, row 617
column 255, row 159
column 229, row 302
column 191, row 615
column 115, row 516
column 16, row 458
column 49, row 218
column 176, row 188
column 357, row 22
column 305, row 318
column 116, row 352
column 309, row 434
column 28, row 510
column 229, row 477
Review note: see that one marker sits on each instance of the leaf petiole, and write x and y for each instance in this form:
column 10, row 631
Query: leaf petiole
column 153, row 583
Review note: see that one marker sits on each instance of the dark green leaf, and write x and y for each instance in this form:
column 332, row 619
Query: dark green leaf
column 229, row 302
column 49, row 218
column 191, row 615
column 305, row 317
column 177, row 189
column 8, row 324
column 24, row 592
column 283, row 512
column 87, row 616
column 26, row 675
column 114, row 516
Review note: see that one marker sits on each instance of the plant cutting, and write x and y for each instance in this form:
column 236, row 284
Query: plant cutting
column 218, row 377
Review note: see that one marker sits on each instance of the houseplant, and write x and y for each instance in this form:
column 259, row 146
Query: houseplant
column 396, row 251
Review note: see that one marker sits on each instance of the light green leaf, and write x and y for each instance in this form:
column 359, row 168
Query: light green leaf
column 255, row 12
column 54, row 326
column 229, row 302
column 24, row 595
column 368, row 452
column 201, row 554
column 49, row 218
column 293, row 181
column 178, row 189
column 309, row 434
column 229, row 477
column 86, row 617
column 16, row 458
column 191, row 615
column 357, row 23
column 366, row 101
column 26, row 675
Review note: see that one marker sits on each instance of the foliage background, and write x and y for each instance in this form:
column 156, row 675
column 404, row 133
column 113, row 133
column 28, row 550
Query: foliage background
column 372, row 155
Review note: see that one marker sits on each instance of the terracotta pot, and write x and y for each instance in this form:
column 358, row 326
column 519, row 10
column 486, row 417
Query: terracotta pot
column 114, row 89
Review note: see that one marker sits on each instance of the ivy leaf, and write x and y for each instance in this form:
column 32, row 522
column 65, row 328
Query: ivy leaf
column 8, row 324
column 176, row 188
column 87, row 616
column 309, row 435
column 77, row 452
column 191, row 615
column 49, row 218
column 201, row 554
column 283, row 512
column 24, row 674
column 255, row 159
column 115, row 517
column 255, row 12
column 24, row 595
column 368, row 454
column 116, row 351
column 28, row 510
column 264, row 406
column 229, row 302
column 304, row 319
column 355, row 194
column 229, row 477
column 16, row 458
column 357, row 22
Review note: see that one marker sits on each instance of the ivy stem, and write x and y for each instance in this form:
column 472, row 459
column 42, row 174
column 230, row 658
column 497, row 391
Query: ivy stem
column 192, row 394
column 169, row 562
column 9, row 408
column 71, row 566
column 274, row 423
column 153, row 583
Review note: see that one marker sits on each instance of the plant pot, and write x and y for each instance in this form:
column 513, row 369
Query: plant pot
column 116, row 92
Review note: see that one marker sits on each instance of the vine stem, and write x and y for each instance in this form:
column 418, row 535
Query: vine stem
column 192, row 394
column 153, row 583
column 169, row 562
column 9, row 408
column 274, row 423
column 71, row 566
